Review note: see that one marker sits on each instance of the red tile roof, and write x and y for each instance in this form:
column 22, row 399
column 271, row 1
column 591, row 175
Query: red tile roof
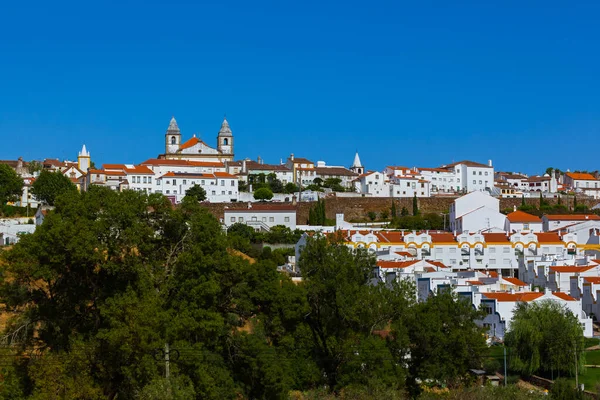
column 438, row 264
column 442, row 237
column 495, row 237
column 563, row 296
column 513, row 297
column 404, row 253
column 396, row 264
column 520, row 216
column 493, row 274
column 475, row 283
column 572, row 268
column 581, row 176
column 139, row 169
column 113, row 166
column 191, row 142
column 389, row 237
column 592, row 279
column 515, row 281
column 548, row 237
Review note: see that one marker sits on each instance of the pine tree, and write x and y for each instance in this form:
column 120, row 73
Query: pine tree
column 559, row 201
column 541, row 200
column 393, row 210
column 574, row 203
column 523, row 201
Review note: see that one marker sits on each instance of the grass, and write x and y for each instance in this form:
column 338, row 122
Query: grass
column 592, row 357
column 589, row 342
column 590, row 379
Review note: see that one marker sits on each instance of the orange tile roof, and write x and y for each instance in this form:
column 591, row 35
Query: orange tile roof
column 563, row 296
column 217, row 164
column 520, row 216
column 513, row 297
column 572, row 268
column 581, row 176
column 389, row 237
column 404, row 253
column 114, row 173
column 442, row 237
column 140, row 169
column 573, row 217
column 96, row 171
column 493, row 274
column 548, row 237
column 515, row 281
column 475, row 283
column 224, row 175
column 396, row 264
column 113, row 166
column 438, row 264
column 592, row 279
column 190, row 143
column 495, row 237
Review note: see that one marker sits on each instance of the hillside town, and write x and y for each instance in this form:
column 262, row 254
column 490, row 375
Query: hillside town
column 495, row 258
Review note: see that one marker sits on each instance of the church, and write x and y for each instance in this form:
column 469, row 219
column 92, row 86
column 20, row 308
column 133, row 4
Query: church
column 194, row 149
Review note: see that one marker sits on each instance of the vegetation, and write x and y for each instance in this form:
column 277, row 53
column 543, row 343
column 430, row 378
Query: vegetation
column 50, row 185
column 421, row 221
column 263, row 194
column 415, row 205
column 11, row 185
column 112, row 281
column 545, row 337
column 316, row 214
column 196, row 192
column 270, row 181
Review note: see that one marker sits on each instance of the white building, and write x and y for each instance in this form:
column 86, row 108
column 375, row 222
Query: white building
column 195, row 149
column 262, row 216
column 476, row 211
column 472, row 176
column 518, row 221
column 557, row 222
column 220, row 187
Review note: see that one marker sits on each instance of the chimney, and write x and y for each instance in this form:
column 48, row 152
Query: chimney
column 249, row 205
column 244, row 169
column 515, row 207
column 489, row 163
column 294, row 200
column 292, row 156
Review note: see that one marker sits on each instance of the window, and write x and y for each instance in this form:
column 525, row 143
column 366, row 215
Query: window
column 264, row 219
column 232, row 219
column 474, row 173
column 214, row 193
column 492, row 250
column 506, row 250
column 241, row 219
column 168, row 192
column 488, row 310
column 525, row 226
column 229, row 193
column 225, row 141
column 479, row 173
column 452, row 250
column 271, row 219
column 407, row 184
column 453, row 261
column 174, row 182
column 492, row 261
column 232, row 182
column 145, row 180
column 173, row 140
column 474, row 182
column 149, row 179
column 480, row 182
column 185, row 181
column 486, row 173
column 202, row 182
column 222, row 182
column 287, row 219
column 222, row 192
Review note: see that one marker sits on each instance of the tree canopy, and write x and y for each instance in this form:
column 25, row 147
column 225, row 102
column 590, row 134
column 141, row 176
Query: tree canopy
column 11, row 184
column 263, row 194
column 196, row 192
column 545, row 336
column 49, row 185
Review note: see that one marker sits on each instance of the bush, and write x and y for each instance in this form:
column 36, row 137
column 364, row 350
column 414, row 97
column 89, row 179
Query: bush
column 263, row 194
column 563, row 389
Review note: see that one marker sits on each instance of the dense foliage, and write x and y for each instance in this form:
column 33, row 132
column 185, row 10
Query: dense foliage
column 196, row 192
column 545, row 337
column 49, row 185
column 11, row 184
column 112, row 281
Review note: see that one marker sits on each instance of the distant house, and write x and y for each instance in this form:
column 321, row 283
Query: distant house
column 475, row 212
column 517, row 221
column 262, row 217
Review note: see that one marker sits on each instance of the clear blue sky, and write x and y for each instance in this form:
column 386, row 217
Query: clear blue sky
column 406, row 83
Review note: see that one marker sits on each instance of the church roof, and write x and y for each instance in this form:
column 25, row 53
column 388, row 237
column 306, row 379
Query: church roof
column 84, row 152
column 191, row 143
column 173, row 126
column 356, row 163
column 225, row 129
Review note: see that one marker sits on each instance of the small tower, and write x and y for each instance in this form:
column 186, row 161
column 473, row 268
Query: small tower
column 357, row 166
column 83, row 160
column 172, row 137
column 225, row 138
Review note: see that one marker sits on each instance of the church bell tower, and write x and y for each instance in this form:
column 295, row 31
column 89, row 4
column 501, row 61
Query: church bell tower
column 225, row 138
column 172, row 138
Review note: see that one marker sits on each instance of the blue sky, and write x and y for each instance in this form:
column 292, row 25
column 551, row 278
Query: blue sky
column 416, row 84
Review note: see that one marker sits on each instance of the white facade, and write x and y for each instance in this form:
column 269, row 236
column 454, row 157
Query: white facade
column 220, row 187
column 476, row 211
column 262, row 216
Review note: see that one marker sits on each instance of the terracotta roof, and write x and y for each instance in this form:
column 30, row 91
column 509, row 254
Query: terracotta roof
column 572, row 268
column 163, row 162
column 191, row 143
column 520, row 216
column 515, row 281
column 538, row 178
column 140, row 169
column 300, row 160
column 96, row 171
column 493, row 274
column 581, row 176
column 434, row 169
column 438, row 264
column 338, row 171
column 467, row 163
column 114, row 173
column 253, row 165
column 259, row 207
column 548, row 237
column 224, row 175
column 404, row 253
column 513, row 297
column 495, row 237
column 396, row 264
column 442, row 237
column 114, row 166
column 592, row 279
column 511, row 176
column 475, row 283
column 563, row 296
column 572, row 217
column 389, row 236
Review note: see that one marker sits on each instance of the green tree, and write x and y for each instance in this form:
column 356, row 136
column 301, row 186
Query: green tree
column 290, row 187
column 345, row 311
column 415, row 205
column 446, row 342
column 318, row 181
column 242, row 186
column 263, row 194
column 403, row 212
column 196, row 192
column 372, row 215
column 545, row 336
column 574, row 202
column 393, row 211
column 50, row 185
column 384, row 214
column 11, row 184
column 316, row 214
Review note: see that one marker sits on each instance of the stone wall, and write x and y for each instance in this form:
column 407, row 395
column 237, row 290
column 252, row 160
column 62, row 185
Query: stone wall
column 356, row 208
